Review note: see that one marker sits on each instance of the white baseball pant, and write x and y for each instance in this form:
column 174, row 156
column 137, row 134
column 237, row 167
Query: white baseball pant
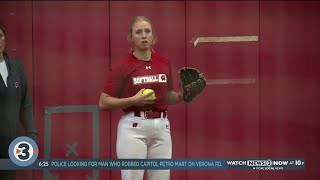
column 141, row 138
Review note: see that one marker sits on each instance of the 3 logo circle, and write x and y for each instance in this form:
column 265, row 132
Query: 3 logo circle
column 23, row 151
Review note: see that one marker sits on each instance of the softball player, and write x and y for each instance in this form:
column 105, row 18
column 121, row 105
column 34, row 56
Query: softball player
column 144, row 129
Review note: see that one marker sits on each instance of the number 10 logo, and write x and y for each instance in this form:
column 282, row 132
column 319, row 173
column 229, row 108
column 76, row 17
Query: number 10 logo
column 23, row 151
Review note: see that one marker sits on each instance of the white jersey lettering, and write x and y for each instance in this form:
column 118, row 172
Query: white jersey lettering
column 158, row 78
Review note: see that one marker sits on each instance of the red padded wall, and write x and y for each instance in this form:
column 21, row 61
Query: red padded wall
column 67, row 48
column 223, row 122
column 290, row 76
column 71, row 47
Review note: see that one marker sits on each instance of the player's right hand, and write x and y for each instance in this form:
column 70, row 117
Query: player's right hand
column 143, row 99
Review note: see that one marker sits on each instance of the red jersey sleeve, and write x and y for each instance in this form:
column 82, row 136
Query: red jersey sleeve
column 115, row 81
column 170, row 79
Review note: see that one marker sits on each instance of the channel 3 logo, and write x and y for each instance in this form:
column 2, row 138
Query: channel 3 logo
column 23, row 151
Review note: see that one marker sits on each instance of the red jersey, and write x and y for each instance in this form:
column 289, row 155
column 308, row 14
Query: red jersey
column 130, row 74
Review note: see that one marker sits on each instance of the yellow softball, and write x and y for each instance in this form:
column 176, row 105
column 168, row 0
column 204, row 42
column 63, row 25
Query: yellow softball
column 146, row 91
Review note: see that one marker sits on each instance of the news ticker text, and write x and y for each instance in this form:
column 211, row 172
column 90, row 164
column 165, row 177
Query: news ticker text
column 174, row 164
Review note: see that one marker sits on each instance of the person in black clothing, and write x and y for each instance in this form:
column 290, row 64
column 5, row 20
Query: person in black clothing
column 15, row 104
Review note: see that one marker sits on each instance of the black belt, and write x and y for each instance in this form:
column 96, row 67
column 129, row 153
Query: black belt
column 150, row 114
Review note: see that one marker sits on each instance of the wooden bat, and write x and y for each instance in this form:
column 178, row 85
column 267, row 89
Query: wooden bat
column 224, row 39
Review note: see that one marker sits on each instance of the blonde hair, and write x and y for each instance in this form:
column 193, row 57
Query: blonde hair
column 2, row 29
column 133, row 22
